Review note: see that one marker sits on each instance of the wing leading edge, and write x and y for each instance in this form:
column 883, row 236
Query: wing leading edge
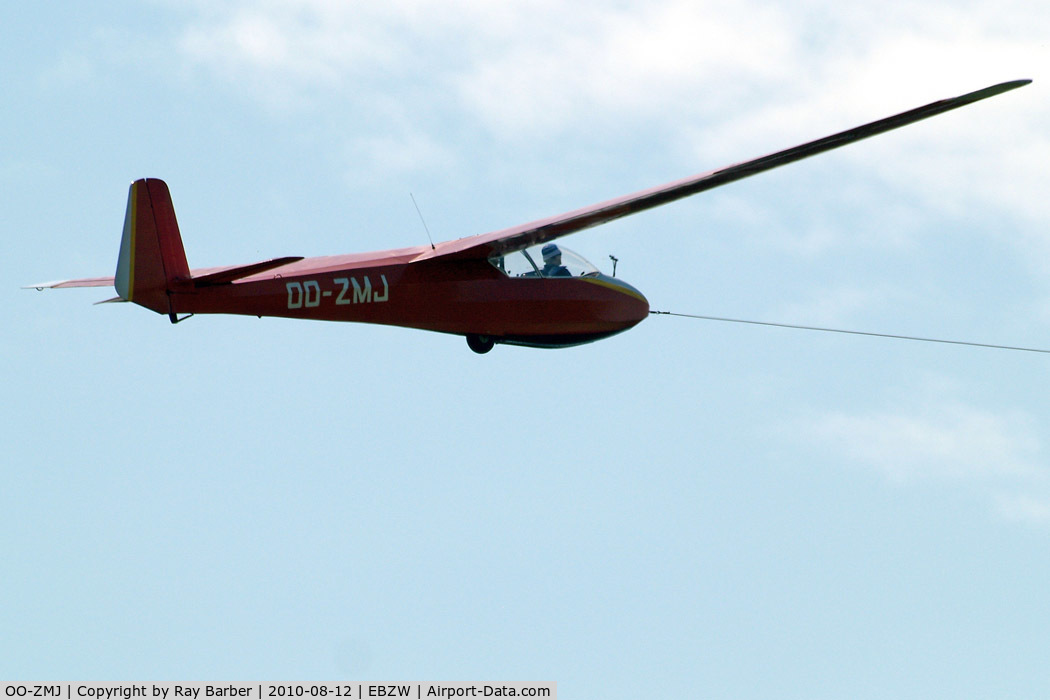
column 543, row 230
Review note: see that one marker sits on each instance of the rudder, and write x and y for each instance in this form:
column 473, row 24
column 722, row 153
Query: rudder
column 152, row 261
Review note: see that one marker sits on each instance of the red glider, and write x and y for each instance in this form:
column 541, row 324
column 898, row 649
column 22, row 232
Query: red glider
column 513, row 286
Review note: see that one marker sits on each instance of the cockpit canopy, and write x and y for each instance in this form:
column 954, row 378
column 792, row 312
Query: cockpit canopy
column 550, row 260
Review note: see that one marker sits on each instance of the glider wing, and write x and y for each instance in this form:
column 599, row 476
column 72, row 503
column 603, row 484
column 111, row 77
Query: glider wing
column 543, row 230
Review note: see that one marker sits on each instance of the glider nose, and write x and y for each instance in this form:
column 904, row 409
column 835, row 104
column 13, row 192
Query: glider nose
column 638, row 305
column 633, row 307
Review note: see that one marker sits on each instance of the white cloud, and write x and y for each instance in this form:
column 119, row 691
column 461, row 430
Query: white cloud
column 713, row 82
column 69, row 70
column 998, row 455
column 550, row 65
column 293, row 46
column 838, row 304
column 667, row 63
column 399, row 153
column 950, row 440
column 1025, row 507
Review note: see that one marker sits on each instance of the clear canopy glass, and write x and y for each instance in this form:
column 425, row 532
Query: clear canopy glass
column 531, row 262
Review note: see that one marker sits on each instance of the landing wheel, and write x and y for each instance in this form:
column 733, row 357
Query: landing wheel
column 480, row 344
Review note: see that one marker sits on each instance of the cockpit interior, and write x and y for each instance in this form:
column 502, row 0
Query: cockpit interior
column 550, row 260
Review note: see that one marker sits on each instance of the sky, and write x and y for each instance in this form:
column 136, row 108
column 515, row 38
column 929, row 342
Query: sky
column 687, row 509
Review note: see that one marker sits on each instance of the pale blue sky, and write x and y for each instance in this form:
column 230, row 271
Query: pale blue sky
column 688, row 509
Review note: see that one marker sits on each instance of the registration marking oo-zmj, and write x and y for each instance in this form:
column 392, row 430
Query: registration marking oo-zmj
column 308, row 293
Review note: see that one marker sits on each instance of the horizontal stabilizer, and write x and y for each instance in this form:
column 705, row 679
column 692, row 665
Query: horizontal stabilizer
column 236, row 273
column 66, row 284
column 207, row 280
column 114, row 300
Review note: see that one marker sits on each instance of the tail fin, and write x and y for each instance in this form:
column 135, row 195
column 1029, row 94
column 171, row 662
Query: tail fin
column 152, row 260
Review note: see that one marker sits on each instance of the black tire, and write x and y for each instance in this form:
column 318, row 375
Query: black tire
column 480, row 344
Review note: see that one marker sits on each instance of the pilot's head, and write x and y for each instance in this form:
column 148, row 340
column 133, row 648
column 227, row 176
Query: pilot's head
column 551, row 254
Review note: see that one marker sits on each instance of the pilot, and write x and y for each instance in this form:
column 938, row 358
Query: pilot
column 552, row 266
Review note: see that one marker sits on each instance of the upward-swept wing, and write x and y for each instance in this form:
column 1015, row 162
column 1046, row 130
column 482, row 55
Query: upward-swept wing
column 536, row 232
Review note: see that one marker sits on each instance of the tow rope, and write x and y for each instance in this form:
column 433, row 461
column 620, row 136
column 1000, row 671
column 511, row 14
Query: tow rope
column 851, row 332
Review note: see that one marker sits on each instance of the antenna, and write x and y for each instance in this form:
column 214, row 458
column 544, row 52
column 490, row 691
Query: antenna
column 615, row 260
column 425, row 228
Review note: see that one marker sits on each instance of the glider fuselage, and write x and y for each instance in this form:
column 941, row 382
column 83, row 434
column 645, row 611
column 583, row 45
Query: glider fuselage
column 464, row 297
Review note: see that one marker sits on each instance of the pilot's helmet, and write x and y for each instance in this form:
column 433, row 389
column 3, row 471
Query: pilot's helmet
column 550, row 251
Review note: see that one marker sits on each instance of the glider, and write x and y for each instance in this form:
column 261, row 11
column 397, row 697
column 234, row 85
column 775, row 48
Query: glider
column 515, row 286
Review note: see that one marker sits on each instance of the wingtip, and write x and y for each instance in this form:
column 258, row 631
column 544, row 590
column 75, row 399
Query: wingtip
column 985, row 93
column 1008, row 85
